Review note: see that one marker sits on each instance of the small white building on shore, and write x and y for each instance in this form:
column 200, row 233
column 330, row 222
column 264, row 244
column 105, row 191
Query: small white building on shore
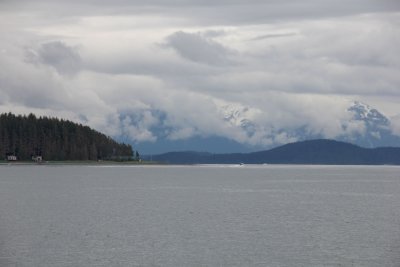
column 11, row 158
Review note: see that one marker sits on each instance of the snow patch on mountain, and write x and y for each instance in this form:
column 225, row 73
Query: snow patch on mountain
column 238, row 115
column 251, row 123
column 369, row 115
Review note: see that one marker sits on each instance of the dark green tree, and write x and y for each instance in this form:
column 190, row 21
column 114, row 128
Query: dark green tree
column 54, row 139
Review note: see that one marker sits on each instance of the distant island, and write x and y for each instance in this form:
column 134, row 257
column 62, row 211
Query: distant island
column 28, row 137
column 319, row 151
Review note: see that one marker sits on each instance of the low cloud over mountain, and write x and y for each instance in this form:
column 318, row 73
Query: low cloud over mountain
column 256, row 73
column 249, row 129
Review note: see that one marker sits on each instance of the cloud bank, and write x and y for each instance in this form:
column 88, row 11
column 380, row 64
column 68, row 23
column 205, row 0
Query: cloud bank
column 148, row 70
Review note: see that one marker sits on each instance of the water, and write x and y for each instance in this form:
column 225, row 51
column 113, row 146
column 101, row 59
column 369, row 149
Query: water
column 199, row 216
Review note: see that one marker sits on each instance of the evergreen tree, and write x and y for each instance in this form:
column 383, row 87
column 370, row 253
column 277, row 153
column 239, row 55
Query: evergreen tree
column 54, row 139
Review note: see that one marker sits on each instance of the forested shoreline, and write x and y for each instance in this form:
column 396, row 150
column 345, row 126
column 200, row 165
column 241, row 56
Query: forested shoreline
column 56, row 139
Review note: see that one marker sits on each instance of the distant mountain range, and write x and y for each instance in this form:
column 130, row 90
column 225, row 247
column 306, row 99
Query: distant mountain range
column 374, row 130
column 376, row 126
column 319, row 151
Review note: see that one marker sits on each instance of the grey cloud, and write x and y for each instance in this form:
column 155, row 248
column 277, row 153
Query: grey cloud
column 273, row 35
column 65, row 59
column 195, row 47
column 222, row 12
column 156, row 64
column 24, row 84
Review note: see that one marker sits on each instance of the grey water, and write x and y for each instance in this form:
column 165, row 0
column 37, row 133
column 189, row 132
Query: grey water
column 199, row 216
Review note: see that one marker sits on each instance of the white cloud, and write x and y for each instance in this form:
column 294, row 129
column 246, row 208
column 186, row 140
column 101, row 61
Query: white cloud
column 396, row 125
column 138, row 129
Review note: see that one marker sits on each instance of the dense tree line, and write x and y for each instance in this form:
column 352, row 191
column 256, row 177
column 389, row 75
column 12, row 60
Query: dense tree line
column 55, row 139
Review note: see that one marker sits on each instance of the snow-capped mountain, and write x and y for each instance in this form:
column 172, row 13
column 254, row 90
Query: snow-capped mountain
column 375, row 127
column 368, row 114
column 377, row 131
column 243, row 129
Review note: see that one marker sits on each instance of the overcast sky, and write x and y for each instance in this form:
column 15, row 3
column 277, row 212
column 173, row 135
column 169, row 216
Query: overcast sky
column 125, row 67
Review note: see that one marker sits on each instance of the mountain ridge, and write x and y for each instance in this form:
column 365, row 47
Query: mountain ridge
column 319, row 151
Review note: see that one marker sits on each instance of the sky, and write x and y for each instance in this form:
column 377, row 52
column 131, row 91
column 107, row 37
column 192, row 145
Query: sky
column 137, row 68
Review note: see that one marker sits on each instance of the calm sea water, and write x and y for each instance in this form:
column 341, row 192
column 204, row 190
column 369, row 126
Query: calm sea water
column 199, row 216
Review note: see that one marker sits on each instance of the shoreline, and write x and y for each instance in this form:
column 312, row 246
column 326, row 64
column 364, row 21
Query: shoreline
column 155, row 163
column 78, row 162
